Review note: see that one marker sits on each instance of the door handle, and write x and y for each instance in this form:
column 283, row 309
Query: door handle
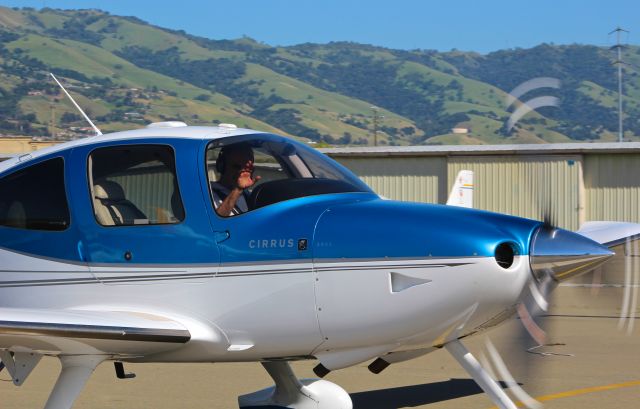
column 221, row 236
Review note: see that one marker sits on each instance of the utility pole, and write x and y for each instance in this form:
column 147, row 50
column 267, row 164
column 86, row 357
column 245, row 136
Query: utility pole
column 618, row 47
column 52, row 122
column 376, row 117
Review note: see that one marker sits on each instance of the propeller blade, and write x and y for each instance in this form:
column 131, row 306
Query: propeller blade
column 631, row 284
column 505, row 376
column 555, row 255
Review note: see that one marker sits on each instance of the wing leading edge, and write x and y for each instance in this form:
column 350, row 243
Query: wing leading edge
column 79, row 331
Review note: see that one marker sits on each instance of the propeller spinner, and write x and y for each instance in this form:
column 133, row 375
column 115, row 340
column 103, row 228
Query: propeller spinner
column 561, row 254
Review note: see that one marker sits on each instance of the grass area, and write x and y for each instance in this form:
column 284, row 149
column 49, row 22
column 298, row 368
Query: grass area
column 39, row 106
column 488, row 130
column 475, row 92
column 204, row 113
column 594, row 91
column 521, row 137
column 305, row 94
column 297, row 91
column 605, row 97
column 553, row 136
column 379, row 55
column 57, row 53
column 93, row 61
column 132, row 34
column 631, row 72
column 454, row 139
column 327, row 122
column 453, row 107
column 7, row 81
column 524, row 136
column 287, row 55
column 12, row 19
column 42, row 106
column 484, row 128
column 96, row 62
column 442, row 65
column 191, row 112
column 52, row 19
column 109, row 127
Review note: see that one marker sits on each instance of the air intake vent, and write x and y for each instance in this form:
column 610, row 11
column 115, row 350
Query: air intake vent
column 505, row 252
column 401, row 282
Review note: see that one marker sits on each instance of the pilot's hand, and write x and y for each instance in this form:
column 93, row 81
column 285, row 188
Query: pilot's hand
column 246, row 178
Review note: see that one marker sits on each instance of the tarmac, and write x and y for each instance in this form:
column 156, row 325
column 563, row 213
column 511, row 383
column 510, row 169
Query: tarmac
column 594, row 365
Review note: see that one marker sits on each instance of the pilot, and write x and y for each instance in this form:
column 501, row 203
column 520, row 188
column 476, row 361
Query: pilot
column 235, row 165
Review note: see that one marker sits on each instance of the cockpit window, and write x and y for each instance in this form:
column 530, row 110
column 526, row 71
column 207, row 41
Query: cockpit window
column 135, row 185
column 252, row 171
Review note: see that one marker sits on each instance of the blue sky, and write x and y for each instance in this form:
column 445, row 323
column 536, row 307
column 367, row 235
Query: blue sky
column 481, row 26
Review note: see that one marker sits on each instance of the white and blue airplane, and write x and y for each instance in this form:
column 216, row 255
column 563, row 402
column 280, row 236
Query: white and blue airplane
column 111, row 250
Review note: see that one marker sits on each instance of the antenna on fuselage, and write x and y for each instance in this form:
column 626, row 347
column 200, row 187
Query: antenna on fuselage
column 95, row 128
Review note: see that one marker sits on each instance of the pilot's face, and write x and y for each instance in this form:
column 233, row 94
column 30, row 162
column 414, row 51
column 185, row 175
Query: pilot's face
column 239, row 161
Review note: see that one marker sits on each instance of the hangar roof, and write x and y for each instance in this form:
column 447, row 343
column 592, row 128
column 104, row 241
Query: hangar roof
column 451, row 150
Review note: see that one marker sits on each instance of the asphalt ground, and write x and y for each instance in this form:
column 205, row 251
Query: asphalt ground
column 596, row 365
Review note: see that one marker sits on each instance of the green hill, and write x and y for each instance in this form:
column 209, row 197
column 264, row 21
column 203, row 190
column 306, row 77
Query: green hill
column 128, row 73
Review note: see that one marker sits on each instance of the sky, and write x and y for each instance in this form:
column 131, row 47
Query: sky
column 468, row 25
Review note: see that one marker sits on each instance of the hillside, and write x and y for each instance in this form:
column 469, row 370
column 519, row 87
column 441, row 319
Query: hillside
column 129, row 73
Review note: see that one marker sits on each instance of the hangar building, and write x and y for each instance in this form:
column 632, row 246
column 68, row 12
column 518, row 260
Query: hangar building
column 577, row 182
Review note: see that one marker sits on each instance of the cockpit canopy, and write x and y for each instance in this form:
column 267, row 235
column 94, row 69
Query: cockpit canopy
column 287, row 170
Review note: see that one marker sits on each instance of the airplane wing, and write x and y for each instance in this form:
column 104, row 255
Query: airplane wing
column 115, row 333
column 610, row 233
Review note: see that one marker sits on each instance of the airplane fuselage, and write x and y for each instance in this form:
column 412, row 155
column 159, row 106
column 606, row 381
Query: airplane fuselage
column 307, row 276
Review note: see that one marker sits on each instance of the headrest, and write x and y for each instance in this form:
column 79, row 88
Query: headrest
column 106, row 189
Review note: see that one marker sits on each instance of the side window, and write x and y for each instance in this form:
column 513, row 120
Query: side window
column 248, row 172
column 135, row 185
column 34, row 198
column 224, row 165
column 265, row 165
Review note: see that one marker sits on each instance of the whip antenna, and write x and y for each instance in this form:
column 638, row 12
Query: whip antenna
column 95, row 128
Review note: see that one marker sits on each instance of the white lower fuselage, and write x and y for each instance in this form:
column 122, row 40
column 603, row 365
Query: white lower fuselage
column 234, row 312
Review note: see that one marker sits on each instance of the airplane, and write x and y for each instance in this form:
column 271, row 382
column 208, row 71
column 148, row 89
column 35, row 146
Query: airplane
column 462, row 191
column 111, row 249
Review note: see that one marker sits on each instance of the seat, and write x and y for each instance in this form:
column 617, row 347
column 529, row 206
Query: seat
column 16, row 216
column 112, row 207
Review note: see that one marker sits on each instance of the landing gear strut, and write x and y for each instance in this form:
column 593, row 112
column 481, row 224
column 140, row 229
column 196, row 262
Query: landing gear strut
column 75, row 372
column 291, row 393
column 482, row 378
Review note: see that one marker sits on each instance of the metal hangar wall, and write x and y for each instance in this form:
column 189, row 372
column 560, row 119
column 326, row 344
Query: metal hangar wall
column 575, row 182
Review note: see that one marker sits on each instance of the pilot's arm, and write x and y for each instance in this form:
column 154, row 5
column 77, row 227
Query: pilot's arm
column 229, row 203
column 245, row 180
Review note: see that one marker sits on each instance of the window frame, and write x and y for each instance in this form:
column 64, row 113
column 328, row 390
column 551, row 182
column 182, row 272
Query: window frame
column 39, row 161
column 89, row 174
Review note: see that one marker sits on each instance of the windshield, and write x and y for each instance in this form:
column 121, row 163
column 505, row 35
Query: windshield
column 251, row 171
